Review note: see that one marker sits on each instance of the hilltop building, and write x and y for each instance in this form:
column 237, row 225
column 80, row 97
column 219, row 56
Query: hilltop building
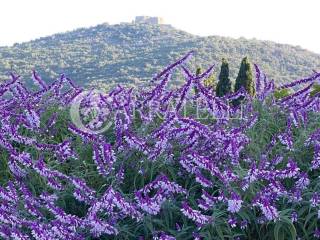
column 149, row 20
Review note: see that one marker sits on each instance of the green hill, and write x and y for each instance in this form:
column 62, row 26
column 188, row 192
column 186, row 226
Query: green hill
column 132, row 53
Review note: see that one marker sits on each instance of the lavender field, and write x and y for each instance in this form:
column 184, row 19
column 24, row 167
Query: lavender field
column 160, row 162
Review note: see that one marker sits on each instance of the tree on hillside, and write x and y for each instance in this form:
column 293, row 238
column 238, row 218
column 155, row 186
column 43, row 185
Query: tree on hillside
column 210, row 82
column 224, row 84
column 245, row 78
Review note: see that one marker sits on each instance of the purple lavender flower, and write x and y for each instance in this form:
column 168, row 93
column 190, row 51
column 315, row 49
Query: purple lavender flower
column 269, row 211
column 243, row 224
column 303, row 181
column 294, row 216
column 234, row 203
column 214, row 154
column 317, row 233
column 163, row 236
column 195, row 215
column 315, row 199
column 232, row 222
column 202, row 180
column 315, row 164
column 196, row 236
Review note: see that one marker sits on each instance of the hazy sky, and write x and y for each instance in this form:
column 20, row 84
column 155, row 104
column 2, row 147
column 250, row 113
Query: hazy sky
column 295, row 22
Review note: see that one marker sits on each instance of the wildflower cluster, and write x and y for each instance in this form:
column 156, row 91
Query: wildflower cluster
column 214, row 170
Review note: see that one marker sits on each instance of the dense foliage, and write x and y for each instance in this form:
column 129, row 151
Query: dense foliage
column 245, row 78
column 217, row 172
column 224, row 85
column 131, row 53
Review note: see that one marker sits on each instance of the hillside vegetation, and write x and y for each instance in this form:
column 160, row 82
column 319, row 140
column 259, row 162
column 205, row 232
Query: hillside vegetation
column 131, row 53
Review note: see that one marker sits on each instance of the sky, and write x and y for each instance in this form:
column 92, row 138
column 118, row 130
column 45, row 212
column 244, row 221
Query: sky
column 294, row 22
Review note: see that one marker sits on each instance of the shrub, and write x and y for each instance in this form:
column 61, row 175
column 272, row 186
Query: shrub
column 156, row 172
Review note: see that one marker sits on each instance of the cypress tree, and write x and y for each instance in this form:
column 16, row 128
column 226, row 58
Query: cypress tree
column 198, row 71
column 224, row 84
column 245, row 78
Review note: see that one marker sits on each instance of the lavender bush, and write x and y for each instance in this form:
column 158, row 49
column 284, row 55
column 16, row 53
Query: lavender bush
column 245, row 172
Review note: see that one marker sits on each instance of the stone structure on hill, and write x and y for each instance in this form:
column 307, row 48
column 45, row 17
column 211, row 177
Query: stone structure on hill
column 150, row 20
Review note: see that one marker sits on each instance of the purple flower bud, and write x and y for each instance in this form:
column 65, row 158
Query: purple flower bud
column 294, row 216
column 243, row 224
column 232, row 222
